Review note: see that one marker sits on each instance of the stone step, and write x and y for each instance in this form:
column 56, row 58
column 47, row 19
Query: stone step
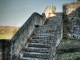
column 39, row 45
column 29, row 58
column 44, row 34
column 36, row 55
column 48, row 27
column 54, row 21
column 39, row 37
column 43, row 28
column 41, row 34
column 43, row 37
column 40, row 50
column 54, row 24
column 55, row 18
column 46, row 31
column 43, row 41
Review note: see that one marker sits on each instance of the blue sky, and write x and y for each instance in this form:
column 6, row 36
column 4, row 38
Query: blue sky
column 16, row 12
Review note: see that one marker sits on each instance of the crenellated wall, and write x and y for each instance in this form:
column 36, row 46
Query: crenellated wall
column 71, row 20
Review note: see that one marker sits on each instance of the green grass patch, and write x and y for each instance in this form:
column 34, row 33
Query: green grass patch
column 64, row 38
column 77, row 58
column 70, row 40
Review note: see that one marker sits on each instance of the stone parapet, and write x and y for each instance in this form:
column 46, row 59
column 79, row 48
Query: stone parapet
column 11, row 48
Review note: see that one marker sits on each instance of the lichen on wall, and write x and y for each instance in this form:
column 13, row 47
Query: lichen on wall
column 71, row 20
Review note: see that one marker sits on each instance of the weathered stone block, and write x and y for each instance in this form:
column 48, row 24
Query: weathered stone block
column 71, row 20
column 68, row 49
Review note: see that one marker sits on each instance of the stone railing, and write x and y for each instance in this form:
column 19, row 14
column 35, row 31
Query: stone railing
column 13, row 46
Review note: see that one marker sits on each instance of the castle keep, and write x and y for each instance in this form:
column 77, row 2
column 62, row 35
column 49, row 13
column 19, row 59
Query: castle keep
column 57, row 38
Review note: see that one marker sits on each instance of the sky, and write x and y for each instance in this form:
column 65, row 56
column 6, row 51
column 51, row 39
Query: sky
column 16, row 12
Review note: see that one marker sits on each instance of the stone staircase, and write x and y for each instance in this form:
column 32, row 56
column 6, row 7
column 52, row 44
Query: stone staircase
column 43, row 44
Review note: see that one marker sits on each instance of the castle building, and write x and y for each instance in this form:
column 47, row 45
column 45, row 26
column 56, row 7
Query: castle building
column 49, row 12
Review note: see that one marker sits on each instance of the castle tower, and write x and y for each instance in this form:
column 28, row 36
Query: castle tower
column 53, row 9
column 49, row 12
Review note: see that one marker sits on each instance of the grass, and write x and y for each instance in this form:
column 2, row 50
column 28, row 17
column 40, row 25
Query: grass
column 77, row 58
column 6, row 36
column 7, row 32
column 64, row 38
column 69, row 56
column 70, row 40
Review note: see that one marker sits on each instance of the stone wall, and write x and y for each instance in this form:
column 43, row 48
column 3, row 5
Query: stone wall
column 21, row 37
column 71, row 20
column 4, row 49
column 68, row 50
column 1, row 45
column 10, row 49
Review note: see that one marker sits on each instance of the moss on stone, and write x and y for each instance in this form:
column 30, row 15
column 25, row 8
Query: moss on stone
column 77, row 58
column 69, row 40
column 64, row 38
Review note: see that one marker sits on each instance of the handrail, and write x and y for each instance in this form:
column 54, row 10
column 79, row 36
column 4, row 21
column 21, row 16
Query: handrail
column 25, row 25
column 20, row 38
